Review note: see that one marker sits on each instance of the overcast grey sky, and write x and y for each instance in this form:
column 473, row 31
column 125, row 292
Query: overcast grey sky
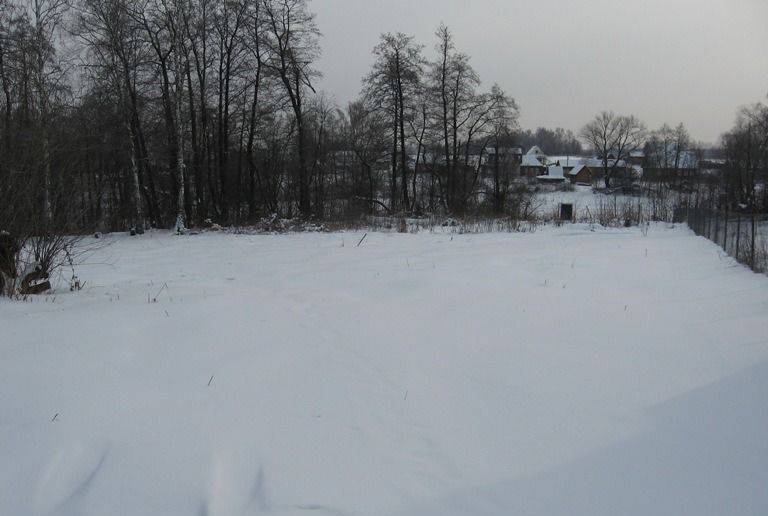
column 691, row 61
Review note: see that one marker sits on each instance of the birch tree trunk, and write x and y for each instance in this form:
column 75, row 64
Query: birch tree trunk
column 180, row 226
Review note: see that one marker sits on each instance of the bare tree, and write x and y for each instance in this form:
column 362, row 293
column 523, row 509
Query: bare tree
column 454, row 83
column 229, row 21
column 367, row 137
column 419, row 122
column 490, row 113
column 669, row 149
column 256, row 29
column 465, row 120
column 746, row 150
column 502, row 125
column 7, row 14
column 47, row 18
column 392, row 86
column 107, row 31
column 199, row 49
column 614, row 137
column 292, row 43
column 177, row 17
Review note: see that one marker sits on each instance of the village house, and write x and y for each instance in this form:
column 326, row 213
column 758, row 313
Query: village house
column 637, row 157
column 619, row 169
column 567, row 162
column 533, row 163
column 580, row 174
column 673, row 168
column 576, row 169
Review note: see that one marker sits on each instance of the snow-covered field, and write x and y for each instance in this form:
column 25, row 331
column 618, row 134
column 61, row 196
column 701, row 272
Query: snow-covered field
column 589, row 204
column 564, row 372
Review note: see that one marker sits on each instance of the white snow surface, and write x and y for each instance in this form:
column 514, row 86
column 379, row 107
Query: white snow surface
column 563, row 372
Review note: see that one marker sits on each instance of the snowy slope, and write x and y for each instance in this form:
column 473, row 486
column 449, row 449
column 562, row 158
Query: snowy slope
column 565, row 372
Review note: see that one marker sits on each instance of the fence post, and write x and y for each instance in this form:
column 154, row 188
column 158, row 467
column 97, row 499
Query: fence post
column 699, row 222
column 752, row 262
column 696, row 221
column 725, row 232
column 738, row 236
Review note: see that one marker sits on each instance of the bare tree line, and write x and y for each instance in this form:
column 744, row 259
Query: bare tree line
column 125, row 114
column 130, row 114
column 745, row 147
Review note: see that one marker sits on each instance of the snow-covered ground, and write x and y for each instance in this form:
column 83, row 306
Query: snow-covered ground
column 583, row 198
column 590, row 204
column 564, row 372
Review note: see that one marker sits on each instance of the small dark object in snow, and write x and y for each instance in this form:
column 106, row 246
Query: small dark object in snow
column 35, row 280
column 566, row 212
column 164, row 287
column 132, row 232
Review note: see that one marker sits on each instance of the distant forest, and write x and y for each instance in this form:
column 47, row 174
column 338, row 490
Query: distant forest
column 557, row 142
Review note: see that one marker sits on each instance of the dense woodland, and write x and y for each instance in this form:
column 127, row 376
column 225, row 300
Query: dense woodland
column 121, row 114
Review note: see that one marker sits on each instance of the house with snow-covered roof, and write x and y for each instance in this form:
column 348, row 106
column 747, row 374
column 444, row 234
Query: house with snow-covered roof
column 618, row 169
column 537, row 152
column 580, row 174
column 534, row 163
